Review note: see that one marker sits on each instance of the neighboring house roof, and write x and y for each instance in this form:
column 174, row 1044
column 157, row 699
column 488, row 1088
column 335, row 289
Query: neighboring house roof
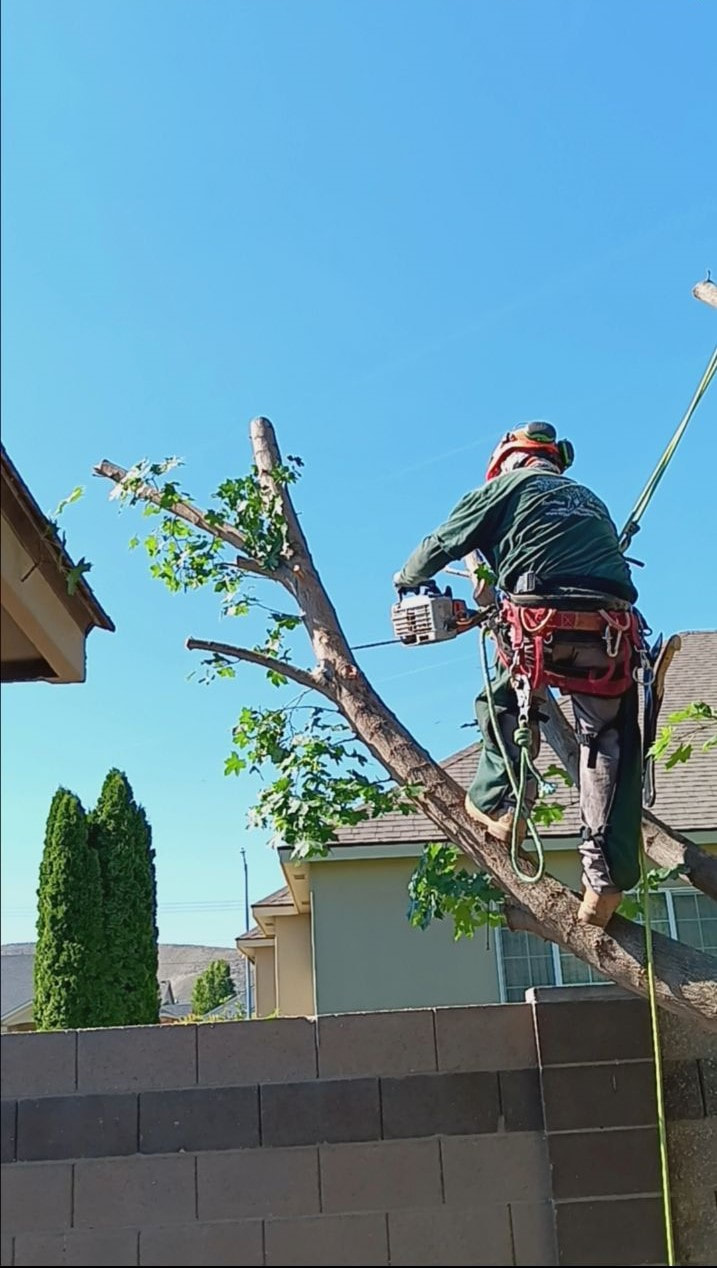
column 280, row 898
column 231, row 1010
column 24, row 513
column 686, row 795
column 179, row 968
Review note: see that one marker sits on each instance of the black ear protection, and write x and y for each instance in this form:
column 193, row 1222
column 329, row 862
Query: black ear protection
column 566, row 450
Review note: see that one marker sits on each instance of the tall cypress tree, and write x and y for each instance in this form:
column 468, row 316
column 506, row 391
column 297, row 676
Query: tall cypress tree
column 122, row 837
column 68, row 954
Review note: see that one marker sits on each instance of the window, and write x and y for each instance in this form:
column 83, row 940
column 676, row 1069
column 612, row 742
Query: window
column 525, row 960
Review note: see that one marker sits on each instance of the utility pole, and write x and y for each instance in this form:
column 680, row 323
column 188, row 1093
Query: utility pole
column 247, row 971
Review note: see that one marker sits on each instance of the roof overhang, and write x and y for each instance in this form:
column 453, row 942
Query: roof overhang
column 44, row 627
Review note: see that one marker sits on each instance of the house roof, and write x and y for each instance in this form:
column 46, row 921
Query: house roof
column 686, row 795
column 179, row 968
column 280, row 898
column 32, row 525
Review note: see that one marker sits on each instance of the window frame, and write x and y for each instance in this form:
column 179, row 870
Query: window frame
column 668, row 893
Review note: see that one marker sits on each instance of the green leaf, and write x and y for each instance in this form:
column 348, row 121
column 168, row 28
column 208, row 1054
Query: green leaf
column 75, row 574
column 74, row 496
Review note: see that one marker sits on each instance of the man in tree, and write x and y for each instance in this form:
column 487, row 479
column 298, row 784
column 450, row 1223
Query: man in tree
column 569, row 623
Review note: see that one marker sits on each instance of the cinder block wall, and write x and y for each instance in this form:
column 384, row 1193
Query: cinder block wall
column 518, row 1134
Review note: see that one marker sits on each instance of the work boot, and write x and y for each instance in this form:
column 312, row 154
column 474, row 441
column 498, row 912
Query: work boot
column 499, row 824
column 598, row 908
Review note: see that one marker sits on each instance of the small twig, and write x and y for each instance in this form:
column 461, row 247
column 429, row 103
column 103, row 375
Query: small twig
column 304, row 677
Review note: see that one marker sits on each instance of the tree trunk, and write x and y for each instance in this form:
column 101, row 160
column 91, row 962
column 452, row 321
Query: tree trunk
column 686, row 979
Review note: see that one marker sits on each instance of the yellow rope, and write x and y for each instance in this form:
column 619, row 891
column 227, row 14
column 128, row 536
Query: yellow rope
column 657, row 1054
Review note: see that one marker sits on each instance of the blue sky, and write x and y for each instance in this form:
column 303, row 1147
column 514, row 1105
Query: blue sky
column 397, row 229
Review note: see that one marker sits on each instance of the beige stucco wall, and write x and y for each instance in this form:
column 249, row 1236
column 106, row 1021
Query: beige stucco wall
column 264, row 982
column 367, row 956
column 293, row 963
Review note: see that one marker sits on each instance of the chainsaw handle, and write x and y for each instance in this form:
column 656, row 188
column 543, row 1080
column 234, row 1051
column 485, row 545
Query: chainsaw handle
column 428, row 587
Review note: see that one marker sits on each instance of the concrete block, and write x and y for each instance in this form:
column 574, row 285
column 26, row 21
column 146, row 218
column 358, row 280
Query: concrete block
column 376, row 1043
column 199, row 1118
column 520, row 1100
column 626, row 1232
column 38, row 1064
column 618, row 1094
column 491, row 1037
column 534, row 1243
column 136, row 1058
column 440, row 1104
column 694, row 1213
column 326, row 1240
column 692, row 1150
column 708, row 1078
column 8, row 1123
column 506, row 1167
column 684, row 1040
column 590, row 1030
column 683, row 1088
column 381, row 1176
column 602, row 1163
column 278, row 1051
column 81, row 1249
column 77, row 1127
column 232, row 1242
column 133, row 1192
column 258, row 1184
column 6, row 1251
column 443, row 1235
column 322, row 1110
column 36, row 1195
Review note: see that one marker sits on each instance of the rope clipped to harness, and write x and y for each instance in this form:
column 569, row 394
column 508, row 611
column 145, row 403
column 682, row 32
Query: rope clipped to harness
column 523, row 739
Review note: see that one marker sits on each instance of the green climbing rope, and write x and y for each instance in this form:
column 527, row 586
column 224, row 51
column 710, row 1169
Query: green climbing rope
column 628, row 532
column 633, row 520
column 657, row 1055
column 523, row 740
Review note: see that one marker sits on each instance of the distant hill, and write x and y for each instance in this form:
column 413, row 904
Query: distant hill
column 179, row 968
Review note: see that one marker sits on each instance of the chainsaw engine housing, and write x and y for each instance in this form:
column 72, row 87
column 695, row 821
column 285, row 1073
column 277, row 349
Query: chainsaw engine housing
column 425, row 618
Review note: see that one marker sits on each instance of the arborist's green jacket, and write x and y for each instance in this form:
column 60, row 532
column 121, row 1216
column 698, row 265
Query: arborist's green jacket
column 531, row 521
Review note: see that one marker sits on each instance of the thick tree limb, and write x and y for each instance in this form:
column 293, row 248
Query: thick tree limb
column 192, row 515
column 686, row 980
column 304, row 677
column 665, row 846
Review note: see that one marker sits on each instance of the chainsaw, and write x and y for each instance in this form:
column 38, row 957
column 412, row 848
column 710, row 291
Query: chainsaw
column 429, row 615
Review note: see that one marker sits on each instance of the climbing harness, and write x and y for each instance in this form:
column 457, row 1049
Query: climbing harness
column 531, row 634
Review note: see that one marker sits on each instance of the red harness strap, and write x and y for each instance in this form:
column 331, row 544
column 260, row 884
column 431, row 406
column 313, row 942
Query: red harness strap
column 530, row 630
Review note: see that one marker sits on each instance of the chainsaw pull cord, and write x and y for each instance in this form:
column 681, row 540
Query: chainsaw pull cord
column 523, row 740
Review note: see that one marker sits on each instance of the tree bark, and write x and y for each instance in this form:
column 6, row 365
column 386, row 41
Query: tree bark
column 663, row 845
column 685, row 979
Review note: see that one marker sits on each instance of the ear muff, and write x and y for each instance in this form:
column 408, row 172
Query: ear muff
column 566, row 452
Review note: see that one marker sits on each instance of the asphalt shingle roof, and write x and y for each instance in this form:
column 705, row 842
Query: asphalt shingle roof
column 686, row 795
